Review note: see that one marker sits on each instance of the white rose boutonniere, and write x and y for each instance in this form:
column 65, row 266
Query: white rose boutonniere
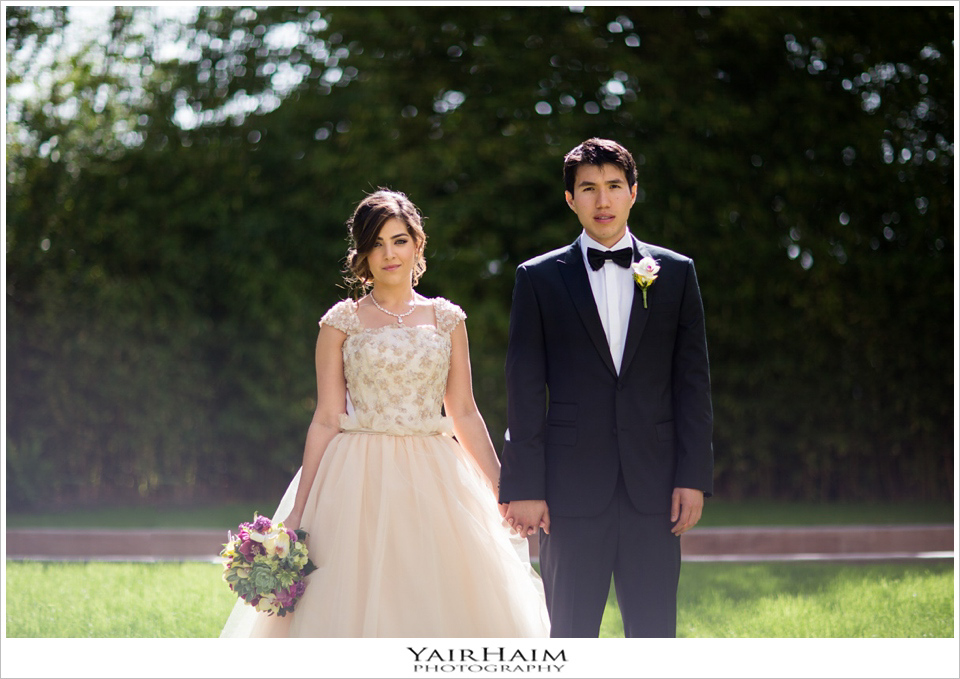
column 645, row 273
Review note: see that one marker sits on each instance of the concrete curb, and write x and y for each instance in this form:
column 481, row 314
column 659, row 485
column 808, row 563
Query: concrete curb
column 700, row 544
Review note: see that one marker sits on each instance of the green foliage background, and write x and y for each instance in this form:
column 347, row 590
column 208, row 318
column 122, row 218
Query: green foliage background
column 175, row 225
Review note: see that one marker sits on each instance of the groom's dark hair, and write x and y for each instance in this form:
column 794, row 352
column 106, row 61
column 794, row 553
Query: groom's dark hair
column 598, row 152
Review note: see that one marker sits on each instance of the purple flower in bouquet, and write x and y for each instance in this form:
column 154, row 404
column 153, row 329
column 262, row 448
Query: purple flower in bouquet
column 262, row 524
column 284, row 598
column 249, row 548
column 289, row 595
column 245, row 545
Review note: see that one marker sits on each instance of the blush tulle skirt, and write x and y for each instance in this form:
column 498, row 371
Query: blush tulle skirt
column 408, row 542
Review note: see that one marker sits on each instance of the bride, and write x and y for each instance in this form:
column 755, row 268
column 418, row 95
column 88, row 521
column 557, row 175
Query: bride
column 399, row 501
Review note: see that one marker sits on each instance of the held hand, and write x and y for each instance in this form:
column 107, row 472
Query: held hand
column 528, row 516
column 686, row 509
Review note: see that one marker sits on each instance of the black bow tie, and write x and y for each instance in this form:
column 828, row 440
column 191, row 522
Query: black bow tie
column 596, row 258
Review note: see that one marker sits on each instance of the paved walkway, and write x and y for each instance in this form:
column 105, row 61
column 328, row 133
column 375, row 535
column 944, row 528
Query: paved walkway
column 700, row 544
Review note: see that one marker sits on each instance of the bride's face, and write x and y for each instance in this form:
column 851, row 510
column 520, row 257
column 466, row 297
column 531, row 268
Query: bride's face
column 393, row 255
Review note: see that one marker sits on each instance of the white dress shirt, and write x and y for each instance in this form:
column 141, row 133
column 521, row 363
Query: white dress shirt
column 613, row 289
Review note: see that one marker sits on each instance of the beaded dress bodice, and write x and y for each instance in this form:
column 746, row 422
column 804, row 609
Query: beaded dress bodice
column 396, row 374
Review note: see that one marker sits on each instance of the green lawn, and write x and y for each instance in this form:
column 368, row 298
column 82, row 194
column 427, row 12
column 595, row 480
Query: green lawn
column 809, row 600
column 213, row 516
column 719, row 513
column 751, row 600
column 98, row 599
column 746, row 600
column 716, row 513
column 816, row 599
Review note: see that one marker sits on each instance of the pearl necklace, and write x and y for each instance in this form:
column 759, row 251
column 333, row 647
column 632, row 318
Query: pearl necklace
column 399, row 317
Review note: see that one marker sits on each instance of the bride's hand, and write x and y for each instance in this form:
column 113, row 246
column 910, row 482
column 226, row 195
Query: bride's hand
column 292, row 522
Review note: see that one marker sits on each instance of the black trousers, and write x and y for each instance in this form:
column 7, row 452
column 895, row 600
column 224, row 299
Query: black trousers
column 579, row 556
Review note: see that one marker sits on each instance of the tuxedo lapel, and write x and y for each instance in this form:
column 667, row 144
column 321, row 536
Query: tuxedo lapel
column 638, row 314
column 574, row 274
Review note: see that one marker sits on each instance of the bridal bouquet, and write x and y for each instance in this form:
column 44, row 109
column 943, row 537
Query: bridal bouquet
column 265, row 564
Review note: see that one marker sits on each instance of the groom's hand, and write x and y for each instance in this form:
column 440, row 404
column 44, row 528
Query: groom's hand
column 687, row 506
column 527, row 516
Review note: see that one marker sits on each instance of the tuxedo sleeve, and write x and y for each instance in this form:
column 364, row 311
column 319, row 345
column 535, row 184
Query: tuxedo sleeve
column 523, row 472
column 693, row 409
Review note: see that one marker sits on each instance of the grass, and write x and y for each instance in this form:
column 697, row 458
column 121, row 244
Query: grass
column 717, row 513
column 97, row 599
column 716, row 600
column 213, row 516
column 754, row 600
column 816, row 599
column 720, row 513
column 809, row 600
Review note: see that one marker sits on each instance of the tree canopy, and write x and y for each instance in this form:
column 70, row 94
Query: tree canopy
column 177, row 192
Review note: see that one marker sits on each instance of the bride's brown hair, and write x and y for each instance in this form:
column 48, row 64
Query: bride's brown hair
column 364, row 227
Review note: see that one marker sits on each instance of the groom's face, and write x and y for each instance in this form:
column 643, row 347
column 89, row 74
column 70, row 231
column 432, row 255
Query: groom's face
column 602, row 200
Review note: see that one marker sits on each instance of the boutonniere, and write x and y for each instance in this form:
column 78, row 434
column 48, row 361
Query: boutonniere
column 645, row 273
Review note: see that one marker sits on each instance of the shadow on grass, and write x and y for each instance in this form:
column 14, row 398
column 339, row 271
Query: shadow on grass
column 809, row 600
column 817, row 599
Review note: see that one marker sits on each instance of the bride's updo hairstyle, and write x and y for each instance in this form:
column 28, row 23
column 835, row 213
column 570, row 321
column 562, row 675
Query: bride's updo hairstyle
column 364, row 227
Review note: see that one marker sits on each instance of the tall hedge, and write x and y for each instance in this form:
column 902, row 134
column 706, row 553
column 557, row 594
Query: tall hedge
column 175, row 226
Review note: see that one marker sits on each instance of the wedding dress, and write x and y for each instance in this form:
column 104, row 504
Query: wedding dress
column 403, row 526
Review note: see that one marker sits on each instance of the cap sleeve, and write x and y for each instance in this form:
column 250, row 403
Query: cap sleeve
column 342, row 316
column 448, row 314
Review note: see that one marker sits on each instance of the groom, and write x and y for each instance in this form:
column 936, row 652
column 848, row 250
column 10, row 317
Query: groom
column 608, row 447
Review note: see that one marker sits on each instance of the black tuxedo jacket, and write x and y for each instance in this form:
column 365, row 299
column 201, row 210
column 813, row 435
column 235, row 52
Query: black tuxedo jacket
column 573, row 421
